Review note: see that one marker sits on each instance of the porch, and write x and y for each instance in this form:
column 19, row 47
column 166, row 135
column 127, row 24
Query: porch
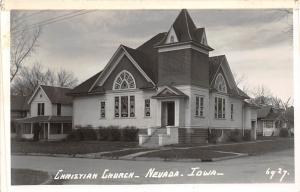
column 44, row 127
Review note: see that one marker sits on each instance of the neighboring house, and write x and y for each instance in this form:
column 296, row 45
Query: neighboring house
column 269, row 121
column 50, row 114
column 19, row 108
column 169, row 82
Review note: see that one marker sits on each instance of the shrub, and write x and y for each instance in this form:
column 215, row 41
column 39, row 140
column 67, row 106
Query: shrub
column 130, row 134
column 103, row 134
column 114, row 133
column 235, row 135
column 213, row 135
column 283, row 133
column 82, row 134
column 247, row 135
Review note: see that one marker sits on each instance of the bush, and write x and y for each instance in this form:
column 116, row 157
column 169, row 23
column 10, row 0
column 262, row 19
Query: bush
column 103, row 134
column 213, row 135
column 247, row 135
column 130, row 134
column 82, row 134
column 235, row 135
column 114, row 134
column 283, row 133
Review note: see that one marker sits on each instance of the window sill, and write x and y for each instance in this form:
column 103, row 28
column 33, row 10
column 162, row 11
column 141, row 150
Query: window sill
column 124, row 117
column 147, row 117
column 200, row 117
column 220, row 118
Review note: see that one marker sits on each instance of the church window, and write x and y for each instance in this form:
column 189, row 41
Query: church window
column 220, row 84
column 124, row 81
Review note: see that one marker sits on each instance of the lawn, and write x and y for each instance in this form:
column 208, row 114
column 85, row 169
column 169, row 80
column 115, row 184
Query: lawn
column 206, row 153
column 123, row 153
column 28, row 177
column 195, row 153
column 68, row 147
column 257, row 148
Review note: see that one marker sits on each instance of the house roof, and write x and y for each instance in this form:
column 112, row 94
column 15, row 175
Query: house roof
column 19, row 103
column 268, row 112
column 57, row 94
column 39, row 119
column 84, row 87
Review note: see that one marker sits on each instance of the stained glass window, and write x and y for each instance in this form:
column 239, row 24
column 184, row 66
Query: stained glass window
column 220, row 84
column 124, row 81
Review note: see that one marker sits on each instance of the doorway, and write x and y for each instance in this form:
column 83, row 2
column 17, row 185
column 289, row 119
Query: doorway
column 168, row 113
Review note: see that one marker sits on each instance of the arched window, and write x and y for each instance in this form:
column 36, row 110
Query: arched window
column 220, row 84
column 124, row 80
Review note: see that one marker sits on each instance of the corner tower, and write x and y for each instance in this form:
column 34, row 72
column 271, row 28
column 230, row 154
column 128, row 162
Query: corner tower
column 183, row 54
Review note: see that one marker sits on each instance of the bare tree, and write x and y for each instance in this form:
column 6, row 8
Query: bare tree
column 262, row 95
column 23, row 42
column 66, row 79
column 29, row 78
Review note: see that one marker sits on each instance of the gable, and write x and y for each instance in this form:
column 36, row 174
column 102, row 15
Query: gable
column 113, row 63
column 223, row 67
column 169, row 92
column 39, row 96
column 125, row 64
column 171, row 37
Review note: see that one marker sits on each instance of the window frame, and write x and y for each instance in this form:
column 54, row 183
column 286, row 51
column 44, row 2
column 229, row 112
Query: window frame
column 147, row 109
column 199, row 110
column 231, row 111
column 124, row 76
column 102, row 109
column 41, row 109
column 58, row 104
column 220, row 108
column 220, row 80
column 130, row 108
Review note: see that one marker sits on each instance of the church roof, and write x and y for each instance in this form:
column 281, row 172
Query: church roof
column 186, row 30
column 146, row 55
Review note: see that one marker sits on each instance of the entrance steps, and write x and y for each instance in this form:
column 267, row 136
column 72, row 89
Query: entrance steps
column 159, row 136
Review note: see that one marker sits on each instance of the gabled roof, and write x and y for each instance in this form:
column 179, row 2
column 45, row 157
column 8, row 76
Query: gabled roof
column 268, row 112
column 55, row 94
column 169, row 92
column 19, row 103
column 215, row 63
column 85, row 86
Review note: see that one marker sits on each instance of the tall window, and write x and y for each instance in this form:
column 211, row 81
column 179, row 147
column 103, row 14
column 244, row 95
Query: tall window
column 220, row 84
column 117, row 109
column 125, row 106
column 172, row 39
column 102, row 109
column 58, row 109
column 147, row 107
column 231, row 111
column 199, row 106
column 124, row 81
column 132, row 107
column 220, row 108
column 41, row 108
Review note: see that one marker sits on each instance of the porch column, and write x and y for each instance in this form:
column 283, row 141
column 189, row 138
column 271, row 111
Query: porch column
column 48, row 132
column 62, row 128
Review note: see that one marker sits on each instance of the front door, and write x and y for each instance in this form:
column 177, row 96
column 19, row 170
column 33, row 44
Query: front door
column 167, row 113
column 171, row 113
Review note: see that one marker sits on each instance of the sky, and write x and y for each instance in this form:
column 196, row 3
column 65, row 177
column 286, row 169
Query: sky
column 257, row 43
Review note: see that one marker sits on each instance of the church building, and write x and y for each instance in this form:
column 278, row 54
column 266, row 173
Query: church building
column 169, row 86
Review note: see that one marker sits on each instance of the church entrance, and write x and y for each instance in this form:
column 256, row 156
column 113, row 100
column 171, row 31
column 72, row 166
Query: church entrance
column 168, row 113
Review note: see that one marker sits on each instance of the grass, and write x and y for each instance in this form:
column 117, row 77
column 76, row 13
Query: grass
column 68, row 147
column 28, row 177
column 257, row 148
column 195, row 153
column 123, row 153
column 206, row 153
